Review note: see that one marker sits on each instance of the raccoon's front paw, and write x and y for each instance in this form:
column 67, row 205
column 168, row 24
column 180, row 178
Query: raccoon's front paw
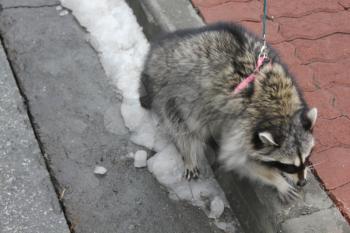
column 288, row 194
column 191, row 172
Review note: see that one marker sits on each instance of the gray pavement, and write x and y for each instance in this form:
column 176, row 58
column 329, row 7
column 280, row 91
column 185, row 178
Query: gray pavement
column 27, row 3
column 76, row 114
column 28, row 202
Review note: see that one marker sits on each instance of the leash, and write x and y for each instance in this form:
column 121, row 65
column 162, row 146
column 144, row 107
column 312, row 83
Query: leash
column 263, row 48
column 261, row 58
column 264, row 19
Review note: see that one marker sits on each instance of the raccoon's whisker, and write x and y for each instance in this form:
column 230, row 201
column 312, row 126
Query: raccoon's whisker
column 316, row 164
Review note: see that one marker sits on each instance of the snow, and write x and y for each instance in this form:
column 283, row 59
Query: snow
column 59, row 8
column 217, row 207
column 122, row 46
column 63, row 13
column 226, row 227
column 99, row 170
column 140, row 159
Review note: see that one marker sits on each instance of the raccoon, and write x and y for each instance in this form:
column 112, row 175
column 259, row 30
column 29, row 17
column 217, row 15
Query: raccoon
column 264, row 132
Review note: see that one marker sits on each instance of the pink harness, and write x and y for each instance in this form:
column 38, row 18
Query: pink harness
column 245, row 82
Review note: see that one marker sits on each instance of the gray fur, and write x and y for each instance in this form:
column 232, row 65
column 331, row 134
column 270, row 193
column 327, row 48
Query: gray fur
column 188, row 80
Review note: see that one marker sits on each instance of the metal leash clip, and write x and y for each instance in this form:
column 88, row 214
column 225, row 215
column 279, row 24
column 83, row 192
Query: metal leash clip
column 263, row 50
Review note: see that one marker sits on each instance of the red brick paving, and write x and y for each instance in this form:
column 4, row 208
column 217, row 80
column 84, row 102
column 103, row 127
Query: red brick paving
column 334, row 48
column 313, row 38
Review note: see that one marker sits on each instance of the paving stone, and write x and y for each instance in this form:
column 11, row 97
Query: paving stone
column 209, row 3
column 273, row 36
column 341, row 130
column 315, row 25
column 344, row 3
column 286, row 51
column 331, row 48
column 232, row 11
column 333, row 166
column 317, row 222
column 324, row 138
column 341, row 194
column 304, row 76
column 342, row 95
column 332, row 132
column 286, row 8
column 330, row 74
column 324, row 101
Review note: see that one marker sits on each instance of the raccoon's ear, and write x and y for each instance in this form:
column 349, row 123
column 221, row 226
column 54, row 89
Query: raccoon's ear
column 312, row 116
column 267, row 138
column 308, row 118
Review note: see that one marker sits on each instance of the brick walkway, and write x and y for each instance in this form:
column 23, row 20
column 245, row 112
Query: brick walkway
column 313, row 38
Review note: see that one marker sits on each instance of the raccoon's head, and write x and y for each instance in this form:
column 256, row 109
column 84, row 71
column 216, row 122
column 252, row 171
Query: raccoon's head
column 286, row 144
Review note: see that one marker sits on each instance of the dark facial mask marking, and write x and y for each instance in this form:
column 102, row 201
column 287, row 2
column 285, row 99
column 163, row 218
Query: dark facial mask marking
column 287, row 168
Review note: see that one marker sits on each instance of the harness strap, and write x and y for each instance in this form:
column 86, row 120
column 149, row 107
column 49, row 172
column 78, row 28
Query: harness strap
column 245, row 82
column 262, row 56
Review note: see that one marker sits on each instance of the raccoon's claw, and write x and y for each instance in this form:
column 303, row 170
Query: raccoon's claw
column 290, row 195
column 192, row 173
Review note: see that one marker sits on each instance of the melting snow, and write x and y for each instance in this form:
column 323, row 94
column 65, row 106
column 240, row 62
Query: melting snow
column 63, row 13
column 217, row 207
column 122, row 46
column 59, row 8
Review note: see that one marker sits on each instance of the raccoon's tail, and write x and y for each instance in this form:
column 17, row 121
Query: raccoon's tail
column 145, row 97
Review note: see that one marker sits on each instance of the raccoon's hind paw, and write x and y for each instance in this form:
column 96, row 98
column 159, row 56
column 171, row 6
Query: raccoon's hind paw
column 288, row 195
column 191, row 173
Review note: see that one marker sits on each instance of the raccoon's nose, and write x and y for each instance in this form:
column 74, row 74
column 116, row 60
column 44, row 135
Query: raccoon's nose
column 301, row 183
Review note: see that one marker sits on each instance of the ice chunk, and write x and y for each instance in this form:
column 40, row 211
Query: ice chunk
column 140, row 159
column 59, row 8
column 217, row 207
column 167, row 166
column 226, row 227
column 99, row 170
column 63, row 13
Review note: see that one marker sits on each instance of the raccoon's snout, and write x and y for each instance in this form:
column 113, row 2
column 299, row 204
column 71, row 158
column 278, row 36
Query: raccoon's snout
column 302, row 183
column 302, row 178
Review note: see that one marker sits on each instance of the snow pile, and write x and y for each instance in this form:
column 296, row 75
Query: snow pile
column 217, row 207
column 122, row 46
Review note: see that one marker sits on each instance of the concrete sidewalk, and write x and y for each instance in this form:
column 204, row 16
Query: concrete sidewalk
column 28, row 202
column 75, row 111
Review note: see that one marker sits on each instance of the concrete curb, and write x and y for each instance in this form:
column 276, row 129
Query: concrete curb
column 257, row 207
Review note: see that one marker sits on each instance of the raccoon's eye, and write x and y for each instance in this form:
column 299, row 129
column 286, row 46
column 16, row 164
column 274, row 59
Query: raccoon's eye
column 287, row 168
